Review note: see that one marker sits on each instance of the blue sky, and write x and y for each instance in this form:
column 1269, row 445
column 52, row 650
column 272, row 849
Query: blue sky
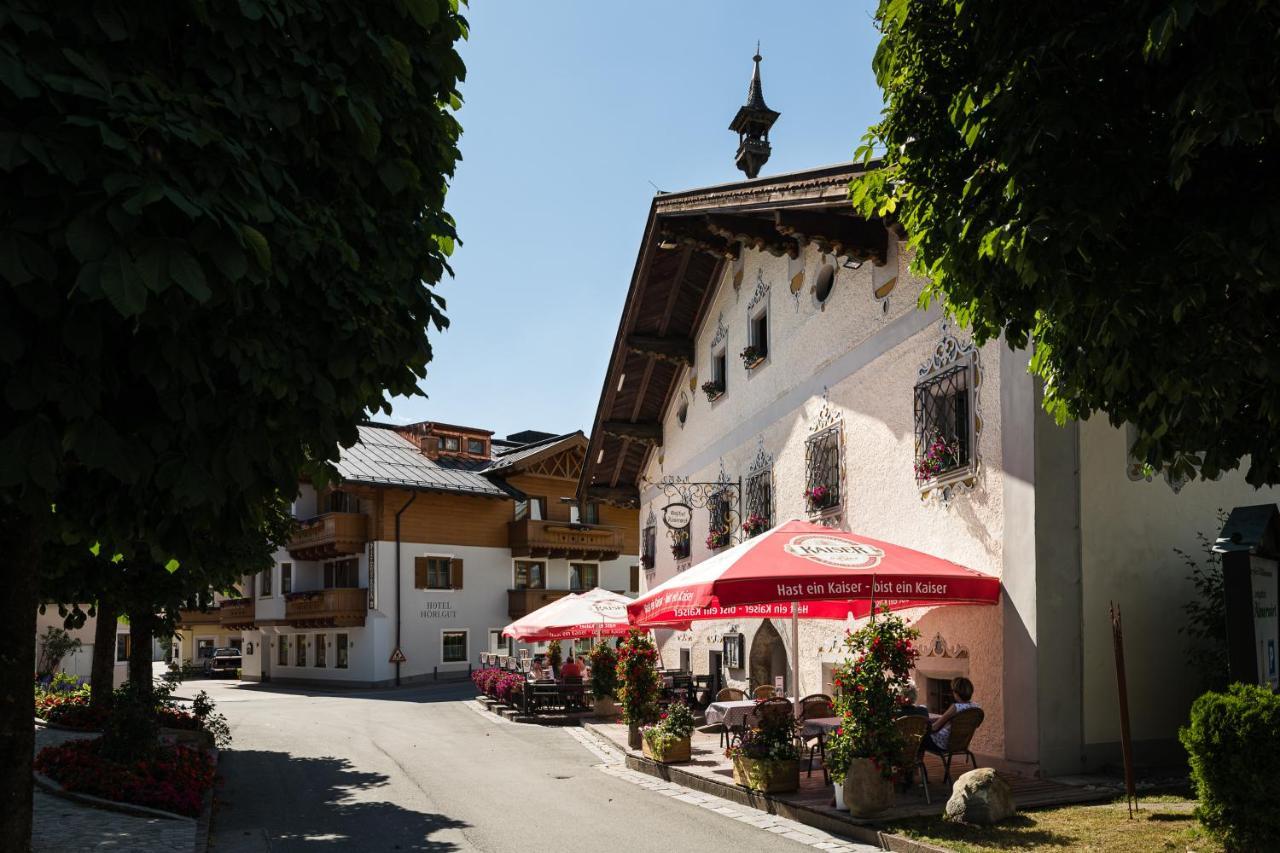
column 571, row 110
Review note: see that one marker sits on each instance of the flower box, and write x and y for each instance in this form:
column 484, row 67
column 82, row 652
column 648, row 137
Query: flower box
column 713, row 390
column 606, row 707
column 766, row 775
column 675, row 752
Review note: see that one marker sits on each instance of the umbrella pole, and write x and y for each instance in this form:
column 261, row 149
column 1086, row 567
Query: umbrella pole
column 795, row 652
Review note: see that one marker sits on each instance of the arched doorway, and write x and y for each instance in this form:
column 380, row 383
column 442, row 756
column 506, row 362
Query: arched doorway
column 768, row 658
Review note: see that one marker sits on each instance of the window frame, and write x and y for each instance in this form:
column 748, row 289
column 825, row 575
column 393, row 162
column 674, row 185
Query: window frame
column 516, row 565
column 759, row 487
column 823, row 456
column 466, row 645
column 282, row 650
column 341, row 650
column 928, row 405
column 321, row 648
column 579, row 564
column 286, row 578
column 476, row 441
column 265, row 585
column 649, row 545
column 457, row 444
column 300, row 651
column 437, row 562
column 329, row 572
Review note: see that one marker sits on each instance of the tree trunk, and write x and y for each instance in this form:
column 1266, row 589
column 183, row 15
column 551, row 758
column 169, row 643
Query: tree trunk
column 20, row 543
column 141, row 625
column 102, row 676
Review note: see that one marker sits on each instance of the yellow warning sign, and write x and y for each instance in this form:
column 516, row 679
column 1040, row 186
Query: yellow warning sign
column 398, row 657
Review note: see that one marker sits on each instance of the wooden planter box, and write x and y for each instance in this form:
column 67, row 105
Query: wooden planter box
column 754, row 363
column 674, row 754
column 607, row 708
column 765, row 776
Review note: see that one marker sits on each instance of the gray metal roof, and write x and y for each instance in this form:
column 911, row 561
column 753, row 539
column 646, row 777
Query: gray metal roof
column 383, row 457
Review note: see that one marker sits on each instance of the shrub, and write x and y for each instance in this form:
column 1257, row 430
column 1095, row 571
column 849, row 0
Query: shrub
column 212, row 722
column 1233, row 743
column 871, row 684
column 637, row 679
column 1206, row 627
column 674, row 725
column 172, row 779
column 554, row 655
column 772, row 739
column 55, row 644
column 507, row 686
column 604, row 670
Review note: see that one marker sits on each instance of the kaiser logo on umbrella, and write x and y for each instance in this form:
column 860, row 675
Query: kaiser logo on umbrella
column 610, row 609
column 831, row 551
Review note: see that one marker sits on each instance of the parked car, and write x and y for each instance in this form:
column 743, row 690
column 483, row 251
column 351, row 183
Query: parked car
column 224, row 661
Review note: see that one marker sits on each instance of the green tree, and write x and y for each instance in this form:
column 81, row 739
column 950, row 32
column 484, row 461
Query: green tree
column 1097, row 179
column 221, row 224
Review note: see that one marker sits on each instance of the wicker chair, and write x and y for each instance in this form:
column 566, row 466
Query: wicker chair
column 727, row 694
column 813, row 707
column 963, row 725
column 730, row 694
column 764, row 691
column 913, row 729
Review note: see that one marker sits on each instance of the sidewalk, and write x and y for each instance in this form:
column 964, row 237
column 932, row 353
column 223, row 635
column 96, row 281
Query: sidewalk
column 64, row 826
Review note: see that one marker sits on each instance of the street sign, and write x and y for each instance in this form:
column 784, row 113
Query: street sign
column 677, row 516
column 398, row 657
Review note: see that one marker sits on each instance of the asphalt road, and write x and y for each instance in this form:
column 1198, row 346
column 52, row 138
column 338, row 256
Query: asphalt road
column 417, row 769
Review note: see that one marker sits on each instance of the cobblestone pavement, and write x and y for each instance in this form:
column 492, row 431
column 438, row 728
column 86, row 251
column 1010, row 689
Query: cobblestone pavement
column 64, row 826
column 612, row 763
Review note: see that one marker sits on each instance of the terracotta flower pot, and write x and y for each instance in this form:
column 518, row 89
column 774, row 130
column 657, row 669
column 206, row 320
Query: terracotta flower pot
column 765, row 775
column 607, row 707
column 866, row 791
column 674, row 753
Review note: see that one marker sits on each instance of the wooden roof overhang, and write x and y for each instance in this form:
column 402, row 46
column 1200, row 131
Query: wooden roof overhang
column 688, row 239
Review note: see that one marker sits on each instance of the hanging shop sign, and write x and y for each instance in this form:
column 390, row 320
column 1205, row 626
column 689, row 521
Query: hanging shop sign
column 677, row 516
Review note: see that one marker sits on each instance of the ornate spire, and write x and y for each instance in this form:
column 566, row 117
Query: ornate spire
column 752, row 125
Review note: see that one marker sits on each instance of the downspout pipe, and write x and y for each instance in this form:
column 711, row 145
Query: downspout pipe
column 413, row 496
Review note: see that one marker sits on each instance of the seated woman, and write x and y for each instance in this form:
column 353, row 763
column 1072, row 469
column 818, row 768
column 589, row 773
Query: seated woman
column 570, row 669
column 535, row 669
column 910, row 708
column 939, row 736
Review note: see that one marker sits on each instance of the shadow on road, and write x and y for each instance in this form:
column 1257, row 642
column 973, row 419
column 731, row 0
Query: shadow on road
column 316, row 804
column 442, row 691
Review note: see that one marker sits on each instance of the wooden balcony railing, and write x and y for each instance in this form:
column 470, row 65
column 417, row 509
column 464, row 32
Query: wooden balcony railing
column 327, row 608
column 531, row 538
column 330, row 535
column 236, row 613
column 521, row 602
column 189, row 617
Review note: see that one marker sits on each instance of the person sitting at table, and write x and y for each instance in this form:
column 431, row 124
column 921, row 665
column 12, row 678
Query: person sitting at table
column 910, row 708
column 570, row 668
column 535, row 669
column 938, row 738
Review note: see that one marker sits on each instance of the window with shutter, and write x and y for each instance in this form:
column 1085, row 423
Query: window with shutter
column 634, row 583
column 455, row 574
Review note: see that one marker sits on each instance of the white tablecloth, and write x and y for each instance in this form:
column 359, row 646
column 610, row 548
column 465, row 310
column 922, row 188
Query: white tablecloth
column 820, row 725
column 732, row 713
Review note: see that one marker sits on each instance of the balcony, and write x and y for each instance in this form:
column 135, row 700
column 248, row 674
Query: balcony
column 327, row 608
column 189, row 618
column 236, row 614
column 333, row 534
column 521, row 602
column 529, row 538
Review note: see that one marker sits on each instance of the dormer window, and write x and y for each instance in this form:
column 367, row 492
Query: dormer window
column 475, row 446
column 450, row 443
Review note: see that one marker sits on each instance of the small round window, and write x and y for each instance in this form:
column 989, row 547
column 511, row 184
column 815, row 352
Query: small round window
column 825, row 282
column 682, row 411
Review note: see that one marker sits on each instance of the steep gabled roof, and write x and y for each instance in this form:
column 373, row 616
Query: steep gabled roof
column 688, row 239
column 384, row 457
column 510, row 461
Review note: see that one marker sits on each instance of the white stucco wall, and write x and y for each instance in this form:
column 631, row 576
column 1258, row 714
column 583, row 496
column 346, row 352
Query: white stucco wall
column 1128, row 532
column 865, row 356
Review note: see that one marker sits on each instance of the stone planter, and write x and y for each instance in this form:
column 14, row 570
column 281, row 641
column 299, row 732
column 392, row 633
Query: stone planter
column 866, row 792
column 673, row 754
column 635, row 740
column 607, row 707
column 765, row 775
column 198, row 738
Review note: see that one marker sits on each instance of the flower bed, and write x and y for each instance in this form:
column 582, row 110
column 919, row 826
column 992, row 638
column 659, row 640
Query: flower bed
column 173, row 718
column 174, row 779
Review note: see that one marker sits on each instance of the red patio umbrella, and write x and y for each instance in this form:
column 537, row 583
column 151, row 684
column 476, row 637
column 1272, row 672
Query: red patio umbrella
column 807, row 570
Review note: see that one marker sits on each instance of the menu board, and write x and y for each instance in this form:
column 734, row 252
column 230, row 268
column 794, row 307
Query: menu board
column 1266, row 618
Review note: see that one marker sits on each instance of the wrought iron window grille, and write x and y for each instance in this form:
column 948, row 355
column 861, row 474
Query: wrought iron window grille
column 943, row 421
column 822, row 469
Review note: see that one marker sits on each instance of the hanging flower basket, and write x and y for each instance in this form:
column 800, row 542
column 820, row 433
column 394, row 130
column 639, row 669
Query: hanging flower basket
column 751, row 356
column 718, row 538
column 754, row 524
column 714, row 390
column 817, row 497
column 939, row 456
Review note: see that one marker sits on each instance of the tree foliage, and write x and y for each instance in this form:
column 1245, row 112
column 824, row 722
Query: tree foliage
column 1097, row 179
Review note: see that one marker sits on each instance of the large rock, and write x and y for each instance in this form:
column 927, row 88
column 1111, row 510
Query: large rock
column 981, row 797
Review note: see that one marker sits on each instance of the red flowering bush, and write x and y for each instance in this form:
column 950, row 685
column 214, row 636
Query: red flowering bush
column 174, row 718
column 508, row 686
column 76, row 715
column 174, row 779
column 871, row 688
column 638, row 678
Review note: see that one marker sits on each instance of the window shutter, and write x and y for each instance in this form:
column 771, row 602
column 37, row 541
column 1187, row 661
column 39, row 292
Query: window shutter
column 419, row 572
column 455, row 574
column 635, row 579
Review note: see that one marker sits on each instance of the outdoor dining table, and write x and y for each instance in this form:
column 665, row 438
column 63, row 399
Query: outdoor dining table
column 732, row 713
column 820, row 726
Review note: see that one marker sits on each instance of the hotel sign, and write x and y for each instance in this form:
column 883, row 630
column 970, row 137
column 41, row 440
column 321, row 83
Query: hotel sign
column 677, row 516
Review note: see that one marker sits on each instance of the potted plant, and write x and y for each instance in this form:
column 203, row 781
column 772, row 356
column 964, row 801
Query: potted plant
column 667, row 741
column 637, row 684
column 862, row 754
column 817, row 497
column 554, row 657
column 754, row 524
column 938, row 457
column 767, row 757
column 751, row 356
column 718, row 538
column 713, row 390
column 604, row 679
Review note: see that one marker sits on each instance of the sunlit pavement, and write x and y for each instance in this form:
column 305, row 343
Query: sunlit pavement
column 423, row 769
